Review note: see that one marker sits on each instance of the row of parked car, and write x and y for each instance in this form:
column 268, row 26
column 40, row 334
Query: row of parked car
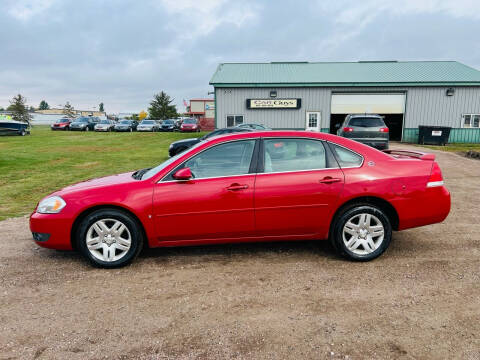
column 93, row 123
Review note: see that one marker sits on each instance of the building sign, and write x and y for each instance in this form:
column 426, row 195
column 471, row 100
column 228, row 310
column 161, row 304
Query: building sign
column 274, row 103
column 209, row 106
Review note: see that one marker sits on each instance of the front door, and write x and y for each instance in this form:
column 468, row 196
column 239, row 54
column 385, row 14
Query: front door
column 298, row 190
column 216, row 203
column 312, row 121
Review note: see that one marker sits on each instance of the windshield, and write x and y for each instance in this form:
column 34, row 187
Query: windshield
column 82, row 120
column 148, row 122
column 168, row 122
column 163, row 165
column 126, row 122
column 62, row 121
column 189, row 121
column 366, row 122
column 104, row 122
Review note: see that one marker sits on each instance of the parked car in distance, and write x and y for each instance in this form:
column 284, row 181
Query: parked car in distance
column 61, row 124
column 126, row 125
column 369, row 129
column 231, row 188
column 84, row 123
column 105, row 125
column 253, row 126
column 182, row 145
column 148, row 125
column 168, row 125
column 190, row 125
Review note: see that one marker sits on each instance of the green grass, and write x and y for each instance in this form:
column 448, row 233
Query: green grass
column 455, row 147
column 36, row 165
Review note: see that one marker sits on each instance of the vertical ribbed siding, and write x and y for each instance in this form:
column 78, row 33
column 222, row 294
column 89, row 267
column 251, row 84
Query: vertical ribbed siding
column 424, row 105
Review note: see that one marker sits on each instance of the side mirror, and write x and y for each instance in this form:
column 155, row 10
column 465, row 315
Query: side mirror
column 183, row 174
column 337, row 126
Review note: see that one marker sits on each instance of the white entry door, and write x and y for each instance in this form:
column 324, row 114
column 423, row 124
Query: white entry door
column 312, row 121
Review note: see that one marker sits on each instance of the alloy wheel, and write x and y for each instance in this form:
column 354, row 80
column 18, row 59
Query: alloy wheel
column 108, row 240
column 363, row 234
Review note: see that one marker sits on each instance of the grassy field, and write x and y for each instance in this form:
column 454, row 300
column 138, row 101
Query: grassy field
column 455, row 147
column 34, row 166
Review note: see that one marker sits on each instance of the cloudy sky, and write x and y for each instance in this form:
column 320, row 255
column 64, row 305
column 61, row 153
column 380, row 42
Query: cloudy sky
column 121, row 52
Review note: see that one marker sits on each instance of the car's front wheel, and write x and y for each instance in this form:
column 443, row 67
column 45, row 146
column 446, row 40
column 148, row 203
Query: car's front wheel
column 109, row 238
column 362, row 232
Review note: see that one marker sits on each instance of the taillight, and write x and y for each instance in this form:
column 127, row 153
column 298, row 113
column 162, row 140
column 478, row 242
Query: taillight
column 347, row 129
column 436, row 178
column 384, row 129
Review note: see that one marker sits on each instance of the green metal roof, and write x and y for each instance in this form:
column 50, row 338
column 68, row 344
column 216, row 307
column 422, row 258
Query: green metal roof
column 362, row 73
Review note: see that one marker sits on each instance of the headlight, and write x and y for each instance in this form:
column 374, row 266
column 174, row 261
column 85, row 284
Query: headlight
column 51, row 205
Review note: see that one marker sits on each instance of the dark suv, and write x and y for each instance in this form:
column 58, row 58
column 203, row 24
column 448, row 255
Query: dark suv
column 369, row 129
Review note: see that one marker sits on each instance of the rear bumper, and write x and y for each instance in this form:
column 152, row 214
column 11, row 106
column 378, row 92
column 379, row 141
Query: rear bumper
column 432, row 207
column 381, row 144
column 54, row 230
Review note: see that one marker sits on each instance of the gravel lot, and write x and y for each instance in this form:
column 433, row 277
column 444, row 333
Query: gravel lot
column 421, row 299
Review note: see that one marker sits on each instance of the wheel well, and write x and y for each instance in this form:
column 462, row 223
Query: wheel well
column 88, row 211
column 371, row 200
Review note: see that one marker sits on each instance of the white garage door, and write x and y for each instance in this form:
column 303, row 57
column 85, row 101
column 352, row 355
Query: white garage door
column 368, row 103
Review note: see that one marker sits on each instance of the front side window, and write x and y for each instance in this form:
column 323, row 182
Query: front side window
column 234, row 120
column 345, row 157
column 282, row 155
column 227, row 159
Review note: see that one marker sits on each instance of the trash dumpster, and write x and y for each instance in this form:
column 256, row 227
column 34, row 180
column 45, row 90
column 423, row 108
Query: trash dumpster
column 433, row 135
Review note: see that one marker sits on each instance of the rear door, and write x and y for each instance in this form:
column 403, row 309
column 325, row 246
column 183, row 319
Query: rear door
column 297, row 188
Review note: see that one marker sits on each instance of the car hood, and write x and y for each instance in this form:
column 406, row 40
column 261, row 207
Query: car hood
column 98, row 183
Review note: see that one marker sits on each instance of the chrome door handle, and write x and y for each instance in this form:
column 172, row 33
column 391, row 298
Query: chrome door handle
column 236, row 187
column 329, row 180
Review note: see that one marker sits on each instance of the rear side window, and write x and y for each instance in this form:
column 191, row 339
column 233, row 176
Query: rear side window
column 345, row 157
column 366, row 122
column 281, row 155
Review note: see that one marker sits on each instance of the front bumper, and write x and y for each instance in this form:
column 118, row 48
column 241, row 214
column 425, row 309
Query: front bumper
column 122, row 129
column 149, row 129
column 189, row 130
column 101, row 129
column 54, row 230
column 78, row 128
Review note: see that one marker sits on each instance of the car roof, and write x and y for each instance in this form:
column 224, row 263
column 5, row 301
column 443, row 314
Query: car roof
column 365, row 115
column 349, row 144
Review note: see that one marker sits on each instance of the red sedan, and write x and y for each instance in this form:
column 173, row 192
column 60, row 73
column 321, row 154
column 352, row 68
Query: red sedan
column 254, row 186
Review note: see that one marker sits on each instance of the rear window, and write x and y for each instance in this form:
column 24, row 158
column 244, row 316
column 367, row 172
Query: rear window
column 345, row 157
column 366, row 122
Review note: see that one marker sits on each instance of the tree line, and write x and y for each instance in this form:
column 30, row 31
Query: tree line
column 161, row 108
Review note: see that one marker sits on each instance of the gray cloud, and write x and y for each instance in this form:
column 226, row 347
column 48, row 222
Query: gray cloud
column 122, row 52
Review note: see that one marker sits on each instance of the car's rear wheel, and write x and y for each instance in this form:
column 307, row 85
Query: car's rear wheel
column 362, row 232
column 109, row 238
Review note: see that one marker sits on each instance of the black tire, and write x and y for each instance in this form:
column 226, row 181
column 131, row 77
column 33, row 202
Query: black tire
column 350, row 213
column 22, row 132
column 133, row 227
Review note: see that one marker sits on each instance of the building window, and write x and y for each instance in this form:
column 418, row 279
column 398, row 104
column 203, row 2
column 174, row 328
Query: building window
column 234, row 120
column 471, row 120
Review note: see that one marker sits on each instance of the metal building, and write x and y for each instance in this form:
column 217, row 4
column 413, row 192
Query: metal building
column 317, row 96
